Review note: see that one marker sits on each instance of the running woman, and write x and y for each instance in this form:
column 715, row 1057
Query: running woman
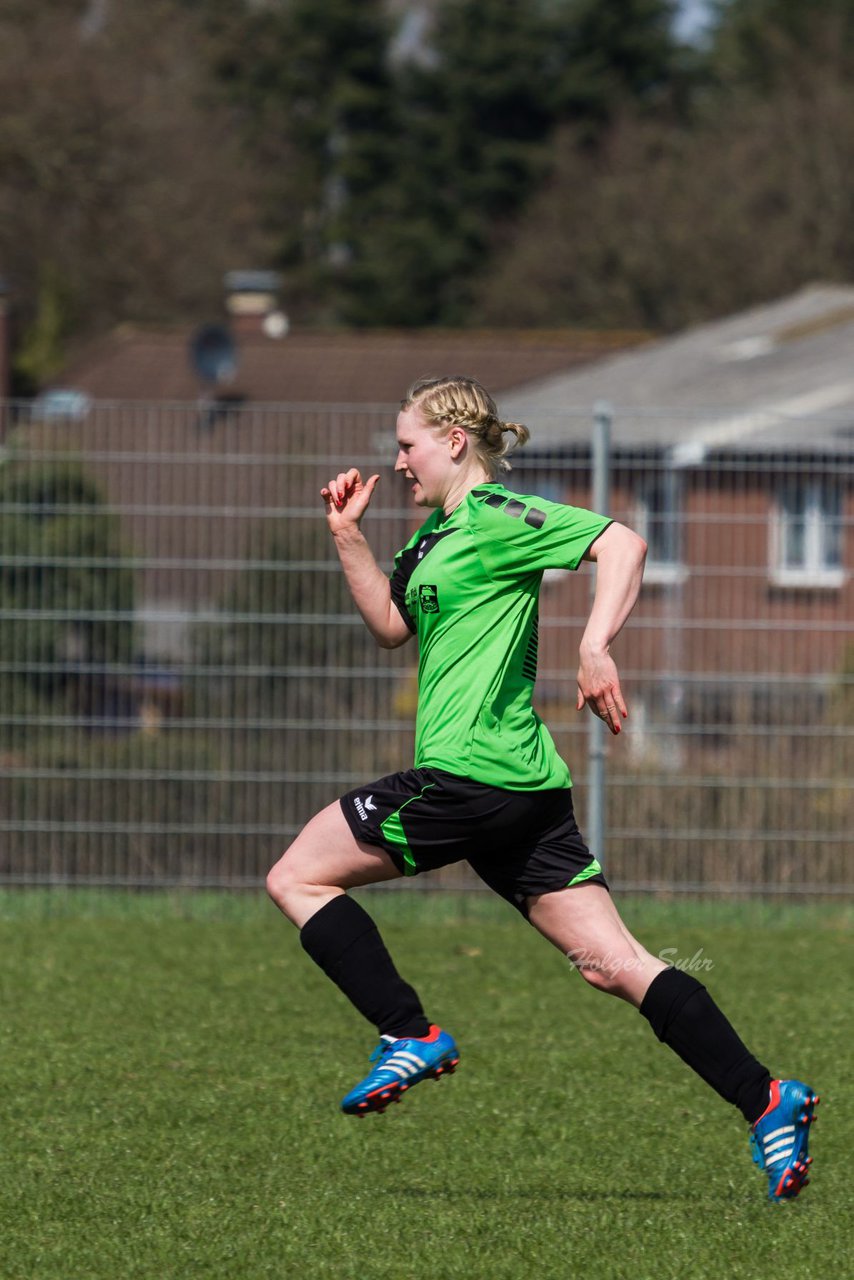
column 488, row 785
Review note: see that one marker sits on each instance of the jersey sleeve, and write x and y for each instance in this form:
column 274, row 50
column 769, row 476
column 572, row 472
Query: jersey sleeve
column 518, row 534
column 404, row 563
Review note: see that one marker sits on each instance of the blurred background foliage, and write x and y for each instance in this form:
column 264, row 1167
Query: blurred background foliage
column 66, row 617
column 419, row 162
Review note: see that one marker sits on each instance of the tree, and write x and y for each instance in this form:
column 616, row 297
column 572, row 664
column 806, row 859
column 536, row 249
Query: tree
column 66, row 595
column 477, row 119
column 475, row 111
column 124, row 194
column 315, row 84
column 679, row 225
column 618, row 57
column 759, row 44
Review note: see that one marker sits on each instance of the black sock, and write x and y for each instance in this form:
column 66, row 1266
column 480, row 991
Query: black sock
column 684, row 1016
column 344, row 941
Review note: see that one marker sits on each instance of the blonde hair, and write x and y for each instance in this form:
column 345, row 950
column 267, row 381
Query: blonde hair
column 462, row 402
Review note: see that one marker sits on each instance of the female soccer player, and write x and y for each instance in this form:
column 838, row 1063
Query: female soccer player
column 488, row 785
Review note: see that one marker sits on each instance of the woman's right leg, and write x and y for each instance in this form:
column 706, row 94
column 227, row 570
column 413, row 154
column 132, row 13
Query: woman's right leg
column 323, row 861
column 308, row 885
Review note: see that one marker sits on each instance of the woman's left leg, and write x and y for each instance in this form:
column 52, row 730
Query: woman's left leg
column 584, row 924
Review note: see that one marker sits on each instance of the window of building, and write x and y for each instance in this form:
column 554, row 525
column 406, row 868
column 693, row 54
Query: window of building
column 658, row 519
column 806, row 542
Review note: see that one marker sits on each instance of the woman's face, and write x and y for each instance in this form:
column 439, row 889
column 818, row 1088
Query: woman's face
column 427, row 457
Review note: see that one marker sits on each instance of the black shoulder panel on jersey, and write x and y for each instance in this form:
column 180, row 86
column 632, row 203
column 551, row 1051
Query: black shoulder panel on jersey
column 399, row 583
column 490, row 499
column 408, row 561
column 534, row 516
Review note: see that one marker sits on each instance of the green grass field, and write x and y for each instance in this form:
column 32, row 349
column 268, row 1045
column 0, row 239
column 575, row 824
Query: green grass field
column 171, row 1070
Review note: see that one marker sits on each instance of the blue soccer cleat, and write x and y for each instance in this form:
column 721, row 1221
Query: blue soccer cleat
column 401, row 1064
column 780, row 1137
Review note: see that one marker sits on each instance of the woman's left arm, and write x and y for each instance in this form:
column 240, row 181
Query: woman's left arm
column 619, row 555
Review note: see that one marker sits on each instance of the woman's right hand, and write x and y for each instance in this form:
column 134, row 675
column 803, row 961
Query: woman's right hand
column 347, row 498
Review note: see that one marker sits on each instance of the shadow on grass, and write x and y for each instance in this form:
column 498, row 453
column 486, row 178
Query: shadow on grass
column 556, row 1195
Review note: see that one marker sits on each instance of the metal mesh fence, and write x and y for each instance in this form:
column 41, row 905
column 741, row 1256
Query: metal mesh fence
column 184, row 681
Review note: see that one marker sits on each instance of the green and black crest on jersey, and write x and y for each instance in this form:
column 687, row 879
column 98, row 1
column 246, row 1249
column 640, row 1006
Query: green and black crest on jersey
column 428, row 598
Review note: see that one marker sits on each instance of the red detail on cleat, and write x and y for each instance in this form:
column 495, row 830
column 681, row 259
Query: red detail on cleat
column 431, row 1037
column 774, row 1101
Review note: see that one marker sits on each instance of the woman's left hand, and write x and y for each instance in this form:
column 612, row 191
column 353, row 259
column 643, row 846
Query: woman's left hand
column 599, row 688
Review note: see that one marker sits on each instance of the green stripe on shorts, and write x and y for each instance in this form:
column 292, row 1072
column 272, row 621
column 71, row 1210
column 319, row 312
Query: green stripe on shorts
column 393, row 831
column 592, row 869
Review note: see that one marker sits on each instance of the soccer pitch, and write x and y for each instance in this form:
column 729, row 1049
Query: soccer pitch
column 172, row 1067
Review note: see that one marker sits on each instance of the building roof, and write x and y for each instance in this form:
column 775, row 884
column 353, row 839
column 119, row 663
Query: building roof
column 347, row 367
column 776, row 378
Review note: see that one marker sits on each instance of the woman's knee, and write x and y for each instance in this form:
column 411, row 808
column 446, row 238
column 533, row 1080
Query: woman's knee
column 625, row 973
column 292, row 878
column 280, row 880
column 295, row 872
column 603, row 973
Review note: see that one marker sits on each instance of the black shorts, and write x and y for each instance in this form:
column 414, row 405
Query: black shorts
column 520, row 843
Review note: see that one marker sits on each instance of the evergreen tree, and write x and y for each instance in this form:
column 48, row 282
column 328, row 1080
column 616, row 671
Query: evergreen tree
column 316, row 83
column 474, row 121
column 61, row 577
column 477, row 121
column 618, row 55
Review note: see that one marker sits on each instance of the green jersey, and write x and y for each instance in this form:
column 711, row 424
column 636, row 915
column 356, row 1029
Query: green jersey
column 468, row 586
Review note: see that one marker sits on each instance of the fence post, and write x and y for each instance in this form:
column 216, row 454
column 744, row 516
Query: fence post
column 600, row 477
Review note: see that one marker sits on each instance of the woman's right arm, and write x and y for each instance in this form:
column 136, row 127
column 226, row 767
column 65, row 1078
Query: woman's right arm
column 347, row 499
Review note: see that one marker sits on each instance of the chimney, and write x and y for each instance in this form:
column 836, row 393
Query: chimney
column 252, row 302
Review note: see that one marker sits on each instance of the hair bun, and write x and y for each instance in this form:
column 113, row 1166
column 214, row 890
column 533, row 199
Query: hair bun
column 521, row 433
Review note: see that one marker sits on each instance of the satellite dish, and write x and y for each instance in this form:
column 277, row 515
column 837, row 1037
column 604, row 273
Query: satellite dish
column 213, row 355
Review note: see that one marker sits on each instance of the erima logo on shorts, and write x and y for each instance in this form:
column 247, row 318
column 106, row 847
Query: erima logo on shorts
column 428, row 598
column 361, row 809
